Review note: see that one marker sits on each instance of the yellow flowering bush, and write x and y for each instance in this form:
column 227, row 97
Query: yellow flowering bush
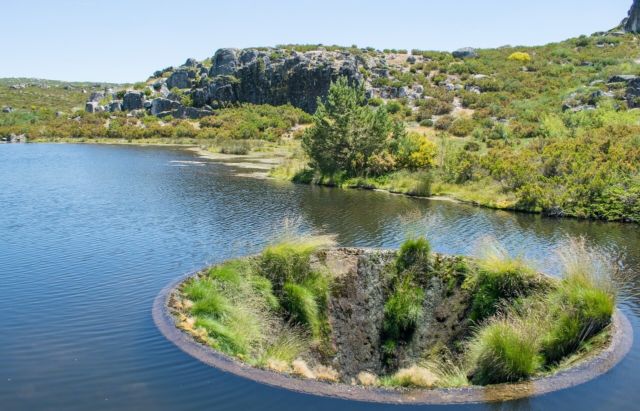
column 520, row 56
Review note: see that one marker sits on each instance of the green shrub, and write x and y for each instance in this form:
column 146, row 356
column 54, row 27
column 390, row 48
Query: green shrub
column 393, row 107
column 226, row 339
column 300, row 303
column 414, row 255
column 499, row 279
column 375, row 101
column 444, row 122
column 213, row 304
column 288, row 261
column 301, row 291
column 403, row 310
column 462, row 127
column 226, row 306
column 583, row 303
column 504, row 351
column 471, row 146
column 264, row 288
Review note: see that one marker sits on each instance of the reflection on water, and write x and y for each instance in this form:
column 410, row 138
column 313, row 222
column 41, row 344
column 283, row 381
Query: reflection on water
column 90, row 234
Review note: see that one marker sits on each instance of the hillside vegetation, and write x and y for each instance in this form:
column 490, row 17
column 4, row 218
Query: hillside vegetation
column 550, row 129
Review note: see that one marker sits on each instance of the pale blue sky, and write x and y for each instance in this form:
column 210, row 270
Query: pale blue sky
column 125, row 41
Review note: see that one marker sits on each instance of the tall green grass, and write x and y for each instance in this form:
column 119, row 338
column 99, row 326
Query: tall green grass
column 414, row 255
column 403, row 310
column 583, row 303
column 499, row 280
column 234, row 314
column 505, row 350
column 540, row 331
column 301, row 290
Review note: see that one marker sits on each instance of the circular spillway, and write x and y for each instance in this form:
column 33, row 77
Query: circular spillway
column 583, row 371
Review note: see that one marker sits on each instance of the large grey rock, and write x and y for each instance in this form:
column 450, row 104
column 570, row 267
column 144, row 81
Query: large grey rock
column 115, row 105
column 160, row 105
column 465, row 53
column 190, row 62
column 96, row 96
column 271, row 76
column 223, row 89
column 132, row 100
column 622, row 78
column 225, row 61
column 91, row 106
column 361, row 286
column 633, row 93
column 17, row 138
column 158, row 84
column 200, row 97
column 195, row 113
column 179, row 79
column 632, row 22
column 7, row 109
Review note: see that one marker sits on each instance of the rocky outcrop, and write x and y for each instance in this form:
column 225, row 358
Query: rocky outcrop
column 632, row 22
column 96, row 96
column 180, row 79
column 91, row 106
column 465, row 53
column 133, row 100
column 269, row 77
column 632, row 92
column 273, row 76
column 115, row 105
column 14, row 138
column 225, row 61
column 356, row 308
column 356, row 311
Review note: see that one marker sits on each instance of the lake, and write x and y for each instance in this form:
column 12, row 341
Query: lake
column 89, row 234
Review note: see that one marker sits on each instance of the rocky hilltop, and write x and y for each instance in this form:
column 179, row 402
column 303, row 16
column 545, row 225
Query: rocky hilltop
column 263, row 76
column 632, row 22
column 298, row 75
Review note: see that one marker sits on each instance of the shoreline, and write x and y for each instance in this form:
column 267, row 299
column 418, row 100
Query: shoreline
column 267, row 158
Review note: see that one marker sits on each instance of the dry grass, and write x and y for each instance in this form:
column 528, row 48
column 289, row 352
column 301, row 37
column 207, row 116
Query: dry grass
column 324, row 373
column 301, row 369
column 368, row 379
column 451, row 372
column 274, row 364
column 587, row 266
column 414, row 376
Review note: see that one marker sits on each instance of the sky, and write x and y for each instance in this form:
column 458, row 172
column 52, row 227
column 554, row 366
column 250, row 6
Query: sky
column 126, row 41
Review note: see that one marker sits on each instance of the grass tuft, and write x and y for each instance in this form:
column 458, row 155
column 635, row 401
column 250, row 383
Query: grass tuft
column 499, row 280
column 403, row 310
column 412, row 377
column 505, row 350
column 414, row 255
column 301, row 304
column 583, row 303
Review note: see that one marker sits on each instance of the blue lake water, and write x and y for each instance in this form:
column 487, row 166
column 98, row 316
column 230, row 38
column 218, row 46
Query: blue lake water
column 90, row 234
